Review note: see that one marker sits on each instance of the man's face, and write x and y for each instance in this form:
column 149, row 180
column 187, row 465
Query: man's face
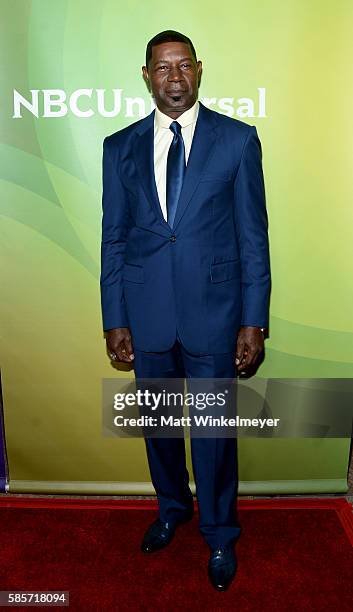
column 173, row 76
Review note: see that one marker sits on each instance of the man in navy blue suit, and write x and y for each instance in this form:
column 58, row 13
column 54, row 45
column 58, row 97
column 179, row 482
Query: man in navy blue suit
column 185, row 277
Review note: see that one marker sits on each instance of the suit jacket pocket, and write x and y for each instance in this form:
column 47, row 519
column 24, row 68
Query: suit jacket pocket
column 224, row 176
column 133, row 273
column 225, row 270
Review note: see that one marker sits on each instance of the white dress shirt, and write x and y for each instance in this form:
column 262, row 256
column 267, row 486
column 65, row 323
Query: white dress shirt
column 163, row 137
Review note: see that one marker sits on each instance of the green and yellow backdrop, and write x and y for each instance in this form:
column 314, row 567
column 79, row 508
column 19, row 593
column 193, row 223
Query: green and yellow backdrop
column 71, row 74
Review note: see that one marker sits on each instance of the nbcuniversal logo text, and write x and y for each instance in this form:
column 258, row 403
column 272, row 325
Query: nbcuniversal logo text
column 85, row 103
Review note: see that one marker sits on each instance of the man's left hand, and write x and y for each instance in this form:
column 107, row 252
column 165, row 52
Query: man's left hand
column 250, row 348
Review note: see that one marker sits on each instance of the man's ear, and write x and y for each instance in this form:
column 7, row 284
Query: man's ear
column 199, row 72
column 146, row 77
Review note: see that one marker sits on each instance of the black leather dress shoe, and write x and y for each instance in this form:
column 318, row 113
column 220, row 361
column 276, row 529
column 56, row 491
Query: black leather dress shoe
column 222, row 567
column 160, row 534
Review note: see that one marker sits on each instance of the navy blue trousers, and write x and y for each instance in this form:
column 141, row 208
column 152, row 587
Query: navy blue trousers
column 214, row 460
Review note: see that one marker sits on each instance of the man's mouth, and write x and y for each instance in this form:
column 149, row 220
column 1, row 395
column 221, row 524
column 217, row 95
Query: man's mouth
column 175, row 95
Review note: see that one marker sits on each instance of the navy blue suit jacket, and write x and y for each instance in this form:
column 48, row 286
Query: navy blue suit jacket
column 208, row 275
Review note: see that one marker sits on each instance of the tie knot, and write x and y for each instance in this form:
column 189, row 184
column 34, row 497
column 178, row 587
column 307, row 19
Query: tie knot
column 176, row 128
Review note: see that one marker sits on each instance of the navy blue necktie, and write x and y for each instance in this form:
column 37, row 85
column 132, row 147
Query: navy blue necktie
column 175, row 171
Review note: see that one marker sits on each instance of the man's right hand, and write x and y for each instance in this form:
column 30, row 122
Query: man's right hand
column 119, row 344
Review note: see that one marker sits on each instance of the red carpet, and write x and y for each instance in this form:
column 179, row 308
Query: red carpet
column 294, row 554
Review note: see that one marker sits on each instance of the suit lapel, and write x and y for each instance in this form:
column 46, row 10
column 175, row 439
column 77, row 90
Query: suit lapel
column 143, row 150
column 201, row 148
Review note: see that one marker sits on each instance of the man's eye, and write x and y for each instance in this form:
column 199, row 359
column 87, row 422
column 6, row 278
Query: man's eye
column 162, row 67
column 186, row 65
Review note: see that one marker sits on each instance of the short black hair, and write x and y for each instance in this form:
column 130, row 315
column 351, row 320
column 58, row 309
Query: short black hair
column 167, row 36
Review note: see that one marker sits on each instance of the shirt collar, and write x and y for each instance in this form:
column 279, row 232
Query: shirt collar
column 186, row 118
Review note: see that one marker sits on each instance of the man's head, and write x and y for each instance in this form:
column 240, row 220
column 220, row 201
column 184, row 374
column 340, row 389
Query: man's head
column 172, row 72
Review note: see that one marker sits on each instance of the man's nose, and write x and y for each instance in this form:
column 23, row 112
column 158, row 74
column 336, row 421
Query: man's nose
column 175, row 74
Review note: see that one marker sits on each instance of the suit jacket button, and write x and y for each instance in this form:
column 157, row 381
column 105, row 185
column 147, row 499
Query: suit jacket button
column 172, row 238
